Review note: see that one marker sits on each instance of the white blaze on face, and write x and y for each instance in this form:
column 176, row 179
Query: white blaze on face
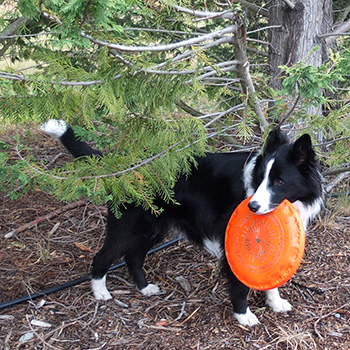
column 262, row 195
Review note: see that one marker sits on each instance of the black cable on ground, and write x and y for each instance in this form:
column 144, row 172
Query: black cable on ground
column 336, row 194
column 78, row 280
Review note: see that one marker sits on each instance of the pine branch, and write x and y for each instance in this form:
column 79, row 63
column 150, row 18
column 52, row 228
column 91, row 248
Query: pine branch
column 103, row 176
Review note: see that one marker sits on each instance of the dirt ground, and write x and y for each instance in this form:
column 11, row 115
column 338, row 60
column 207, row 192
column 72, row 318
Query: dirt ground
column 193, row 311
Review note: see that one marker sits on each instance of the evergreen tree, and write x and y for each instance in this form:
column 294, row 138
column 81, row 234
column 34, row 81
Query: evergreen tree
column 150, row 82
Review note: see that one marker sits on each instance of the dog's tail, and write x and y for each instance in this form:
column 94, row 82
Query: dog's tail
column 61, row 131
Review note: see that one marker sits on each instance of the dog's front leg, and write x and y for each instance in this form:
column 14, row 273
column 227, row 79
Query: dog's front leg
column 277, row 303
column 238, row 293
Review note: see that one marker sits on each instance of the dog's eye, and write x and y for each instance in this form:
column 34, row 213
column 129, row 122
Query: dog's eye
column 279, row 182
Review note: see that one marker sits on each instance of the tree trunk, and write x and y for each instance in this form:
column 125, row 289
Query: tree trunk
column 298, row 36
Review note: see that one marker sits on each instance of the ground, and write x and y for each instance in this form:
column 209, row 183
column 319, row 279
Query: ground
column 193, row 311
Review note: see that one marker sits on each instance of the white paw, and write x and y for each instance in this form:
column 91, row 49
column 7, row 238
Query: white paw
column 277, row 304
column 99, row 289
column 55, row 128
column 247, row 319
column 151, row 289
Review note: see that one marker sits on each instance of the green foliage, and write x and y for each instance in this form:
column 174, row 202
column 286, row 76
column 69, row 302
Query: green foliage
column 119, row 101
column 315, row 86
column 312, row 82
column 14, row 174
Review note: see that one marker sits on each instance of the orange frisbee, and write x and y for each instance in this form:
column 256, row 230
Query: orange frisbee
column 264, row 251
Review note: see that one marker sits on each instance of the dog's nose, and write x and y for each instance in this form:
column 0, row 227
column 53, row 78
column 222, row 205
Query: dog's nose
column 254, row 206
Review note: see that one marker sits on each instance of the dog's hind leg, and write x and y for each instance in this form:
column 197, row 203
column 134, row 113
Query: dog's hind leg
column 134, row 259
column 101, row 263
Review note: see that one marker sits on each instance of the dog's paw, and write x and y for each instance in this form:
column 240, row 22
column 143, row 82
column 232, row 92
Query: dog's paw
column 279, row 305
column 247, row 319
column 99, row 289
column 151, row 289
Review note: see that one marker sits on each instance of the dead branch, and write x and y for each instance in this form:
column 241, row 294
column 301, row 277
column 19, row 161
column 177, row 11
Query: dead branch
column 239, row 43
column 46, row 217
column 335, row 171
column 341, row 177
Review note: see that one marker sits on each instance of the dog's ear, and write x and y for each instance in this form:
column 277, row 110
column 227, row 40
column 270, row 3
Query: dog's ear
column 302, row 150
column 275, row 139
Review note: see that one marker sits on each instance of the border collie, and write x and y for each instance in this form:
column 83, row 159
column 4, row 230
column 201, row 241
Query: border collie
column 207, row 197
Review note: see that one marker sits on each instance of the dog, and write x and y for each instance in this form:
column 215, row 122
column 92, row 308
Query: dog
column 207, row 198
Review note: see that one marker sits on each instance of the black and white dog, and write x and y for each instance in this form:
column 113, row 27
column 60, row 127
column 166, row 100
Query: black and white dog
column 207, row 198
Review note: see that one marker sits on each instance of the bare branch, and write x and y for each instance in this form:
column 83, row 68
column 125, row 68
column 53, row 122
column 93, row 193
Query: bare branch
column 13, row 28
column 239, row 42
column 228, row 111
column 10, row 31
column 255, row 8
column 339, row 178
column 202, row 14
column 341, row 30
column 193, row 41
column 335, row 171
column 289, row 3
column 264, row 28
column 285, row 117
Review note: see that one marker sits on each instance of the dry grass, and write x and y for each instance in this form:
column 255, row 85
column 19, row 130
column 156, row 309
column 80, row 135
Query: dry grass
column 196, row 315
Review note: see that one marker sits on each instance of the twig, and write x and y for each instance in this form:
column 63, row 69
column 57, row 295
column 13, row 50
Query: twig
column 329, row 314
column 40, row 338
column 189, row 317
column 285, row 117
column 337, row 180
column 289, row 3
column 230, row 110
column 46, row 217
column 202, row 14
column 181, row 312
column 336, row 171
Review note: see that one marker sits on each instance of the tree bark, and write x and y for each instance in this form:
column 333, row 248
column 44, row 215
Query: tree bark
column 298, row 36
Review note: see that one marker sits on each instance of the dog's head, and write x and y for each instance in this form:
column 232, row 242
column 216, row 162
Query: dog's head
column 283, row 171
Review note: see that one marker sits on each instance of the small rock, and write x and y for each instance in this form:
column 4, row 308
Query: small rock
column 40, row 323
column 184, row 283
column 41, row 303
column 26, row 337
column 120, row 303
